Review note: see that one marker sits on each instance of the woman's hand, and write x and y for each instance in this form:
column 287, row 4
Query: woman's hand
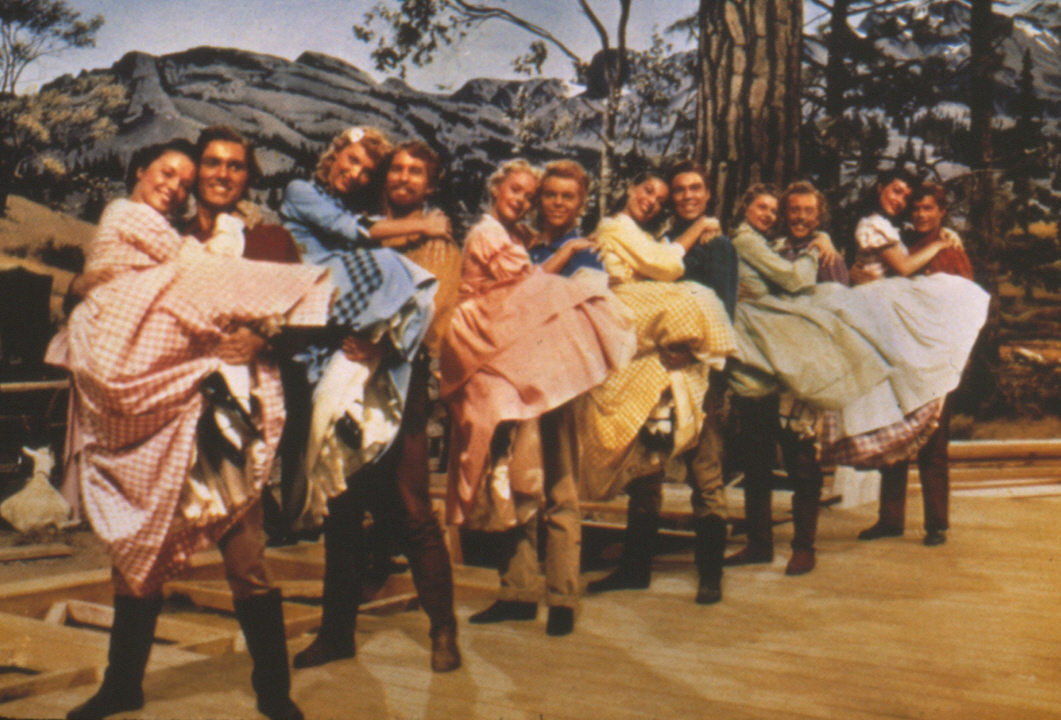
column 239, row 347
column 578, row 245
column 859, row 276
column 826, row 249
column 360, row 349
column 951, row 239
column 437, row 225
column 709, row 227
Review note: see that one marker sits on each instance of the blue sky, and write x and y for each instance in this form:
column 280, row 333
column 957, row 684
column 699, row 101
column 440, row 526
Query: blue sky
column 287, row 28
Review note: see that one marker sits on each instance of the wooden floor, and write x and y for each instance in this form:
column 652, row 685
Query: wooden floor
column 886, row 629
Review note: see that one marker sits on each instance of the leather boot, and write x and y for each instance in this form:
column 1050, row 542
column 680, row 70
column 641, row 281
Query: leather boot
column 805, row 526
column 892, row 514
column 261, row 618
column 445, row 655
column 709, row 547
column 342, row 587
column 635, row 564
column 132, row 633
column 759, row 523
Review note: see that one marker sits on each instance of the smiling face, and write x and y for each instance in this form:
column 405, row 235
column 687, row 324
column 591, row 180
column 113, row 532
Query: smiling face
column 689, row 195
column 803, row 215
column 561, row 203
column 513, row 197
column 165, row 183
column 762, row 213
column 644, row 201
column 927, row 215
column 407, row 184
column 351, row 170
column 223, row 175
column 893, row 197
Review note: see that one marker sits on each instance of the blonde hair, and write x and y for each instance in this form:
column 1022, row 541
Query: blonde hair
column 519, row 165
column 749, row 197
column 374, row 142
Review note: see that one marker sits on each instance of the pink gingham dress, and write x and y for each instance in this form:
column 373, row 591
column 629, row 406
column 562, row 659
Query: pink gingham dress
column 137, row 348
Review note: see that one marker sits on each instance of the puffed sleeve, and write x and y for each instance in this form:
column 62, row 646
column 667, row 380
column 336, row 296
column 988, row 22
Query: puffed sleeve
column 490, row 248
column 622, row 242
column 790, row 276
column 325, row 216
column 876, row 233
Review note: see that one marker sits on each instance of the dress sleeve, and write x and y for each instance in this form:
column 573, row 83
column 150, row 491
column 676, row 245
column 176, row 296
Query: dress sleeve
column 790, row 276
column 322, row 214
column 490, row 248
column 636, row 248
column 874, row 233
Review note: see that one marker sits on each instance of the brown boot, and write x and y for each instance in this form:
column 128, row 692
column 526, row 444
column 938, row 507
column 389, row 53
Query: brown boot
column 445, row 655
column 261, row 618
column 708, row 551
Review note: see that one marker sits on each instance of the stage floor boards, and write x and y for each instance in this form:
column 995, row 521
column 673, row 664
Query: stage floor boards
column 885, row 629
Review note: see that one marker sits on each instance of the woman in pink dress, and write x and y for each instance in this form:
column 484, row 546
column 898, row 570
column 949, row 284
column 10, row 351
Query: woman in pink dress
column 523, row 342
column 139, row 348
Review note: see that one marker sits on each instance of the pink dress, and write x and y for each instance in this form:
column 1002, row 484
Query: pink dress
column 137, row 348
column 522, row 342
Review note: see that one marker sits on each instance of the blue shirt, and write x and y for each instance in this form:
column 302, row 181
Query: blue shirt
column 581, row 259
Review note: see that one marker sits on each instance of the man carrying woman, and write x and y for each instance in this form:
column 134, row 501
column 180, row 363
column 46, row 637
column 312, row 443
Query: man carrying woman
column 139, row 347
column 658, row 410
column 523, row 343
column 365, row 450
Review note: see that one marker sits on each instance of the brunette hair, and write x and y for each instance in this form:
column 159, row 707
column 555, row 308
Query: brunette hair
column 749, row 197
column 143, row 158
column 688, row 166
column 932, row 190
column 223, row 133
column 374, row 142
column 802, row 187
column 421, row 151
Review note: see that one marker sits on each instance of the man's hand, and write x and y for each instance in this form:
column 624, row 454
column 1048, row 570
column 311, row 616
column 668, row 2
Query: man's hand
column 83, row 284
column 360, row 349
column 675, row 357
column 239, row 347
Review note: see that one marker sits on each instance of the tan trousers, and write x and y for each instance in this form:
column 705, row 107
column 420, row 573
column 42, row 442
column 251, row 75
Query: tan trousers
column 521, row 575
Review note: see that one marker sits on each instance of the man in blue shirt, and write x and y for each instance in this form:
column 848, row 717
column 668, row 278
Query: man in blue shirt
column 562, row 199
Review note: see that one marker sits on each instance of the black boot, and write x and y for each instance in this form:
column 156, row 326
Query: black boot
column 261, row 618
column 635, row 564
column 708, row 551
column 342, row 584
column 132, row 633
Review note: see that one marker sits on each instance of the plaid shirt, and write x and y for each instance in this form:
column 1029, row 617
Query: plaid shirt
column 137, row 348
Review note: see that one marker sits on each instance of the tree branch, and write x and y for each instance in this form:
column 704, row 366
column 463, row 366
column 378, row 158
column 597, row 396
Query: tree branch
column 487, row 12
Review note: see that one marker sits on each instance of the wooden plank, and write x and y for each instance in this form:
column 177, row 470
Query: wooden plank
column 35, row 552
column 57, row 614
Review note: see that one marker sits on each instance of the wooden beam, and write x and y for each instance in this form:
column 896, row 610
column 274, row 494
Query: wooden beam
column 35, row 552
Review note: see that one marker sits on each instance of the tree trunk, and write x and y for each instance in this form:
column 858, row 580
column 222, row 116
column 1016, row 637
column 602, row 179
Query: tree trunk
column 748, row 112
column 982, row 216
column 835, row 85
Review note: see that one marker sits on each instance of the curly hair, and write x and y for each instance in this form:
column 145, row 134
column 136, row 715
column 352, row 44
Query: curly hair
column 802, row 187
column 749, row 197
column 519, row 165
column 374, row 142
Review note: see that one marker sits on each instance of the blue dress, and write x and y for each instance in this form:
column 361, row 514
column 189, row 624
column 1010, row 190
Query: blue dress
column 375, row 284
